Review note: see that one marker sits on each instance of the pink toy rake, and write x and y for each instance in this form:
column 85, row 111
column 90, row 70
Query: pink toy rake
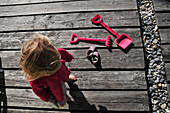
column 75, row 38
column 122, row 40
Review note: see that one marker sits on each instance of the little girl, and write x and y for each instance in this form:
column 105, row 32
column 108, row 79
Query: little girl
column 45, row 69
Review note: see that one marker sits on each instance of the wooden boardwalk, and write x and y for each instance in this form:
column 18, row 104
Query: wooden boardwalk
column 120, row 85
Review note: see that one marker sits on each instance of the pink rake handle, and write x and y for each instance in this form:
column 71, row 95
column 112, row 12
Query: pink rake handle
column 75, row 38
column 98, row 20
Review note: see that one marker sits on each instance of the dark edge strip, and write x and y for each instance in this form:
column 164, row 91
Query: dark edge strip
column 3, row 97
column 162, row 11
column 66, row 110
column 167, row 61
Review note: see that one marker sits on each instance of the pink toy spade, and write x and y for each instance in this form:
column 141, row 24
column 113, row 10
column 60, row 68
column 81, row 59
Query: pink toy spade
column 122, row 40
column 75, row 38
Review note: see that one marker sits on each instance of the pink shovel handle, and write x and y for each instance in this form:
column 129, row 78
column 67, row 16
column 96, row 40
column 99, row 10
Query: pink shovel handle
column 98, row 20
column 109, row 29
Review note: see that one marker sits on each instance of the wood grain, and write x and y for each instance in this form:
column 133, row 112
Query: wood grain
column 167, row 69
column 163, row 19
column 63, row 7
column 70, row 20
column 161, row 5
column 32, row 111
column 166, row 52
column 16, row 2
column 115, row 59
column 164, row 34
column 112, row 100
column 90, row 79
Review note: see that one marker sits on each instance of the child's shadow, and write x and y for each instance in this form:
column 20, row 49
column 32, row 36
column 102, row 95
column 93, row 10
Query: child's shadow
column 80, row 104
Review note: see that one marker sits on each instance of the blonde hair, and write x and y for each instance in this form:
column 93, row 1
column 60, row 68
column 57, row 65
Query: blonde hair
column 39, row 57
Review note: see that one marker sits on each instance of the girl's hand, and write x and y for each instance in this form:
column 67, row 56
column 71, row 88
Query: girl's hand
column 72, row 77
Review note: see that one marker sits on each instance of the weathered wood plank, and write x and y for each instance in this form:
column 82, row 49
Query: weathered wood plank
column 89, row 79
column 167, row 69
column 63, row 7
column 166, row 52
column 61, row 38
column 32, row 111
column 169, row 90
column 161, row 5
column 83, row 100
column 16, row 2
column 115, row 59
column 71, row 20
column 163, row 19
column 164, row 34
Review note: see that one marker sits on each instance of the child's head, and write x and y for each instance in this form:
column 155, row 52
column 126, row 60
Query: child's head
column 39, row 57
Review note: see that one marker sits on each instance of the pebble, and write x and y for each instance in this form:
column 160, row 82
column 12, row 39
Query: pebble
column 161, row 80
column 155, row 102
column 155, row 86
column 156, row 28
column 164, row 98
column 162, row 63
column 164, row 85
column 160, row 85
column 149, row 76
column 154, row 108
column 157, row 80
column 154, row 77
column 163, row 106
column 156, row 59
column 155, row 41
column 158, row 66
column 162, row 69
column 163, row 72
column 157, row 111
column 167, row 111
column 154, row 53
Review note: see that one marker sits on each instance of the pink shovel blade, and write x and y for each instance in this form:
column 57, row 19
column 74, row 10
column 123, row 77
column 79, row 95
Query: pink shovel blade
column 123, row 41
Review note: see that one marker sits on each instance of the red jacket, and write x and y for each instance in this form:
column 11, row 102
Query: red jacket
column 46, row 84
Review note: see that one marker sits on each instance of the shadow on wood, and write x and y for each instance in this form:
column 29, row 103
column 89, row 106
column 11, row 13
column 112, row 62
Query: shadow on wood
column 3, row 98
column 128, row 48
column 80, row 103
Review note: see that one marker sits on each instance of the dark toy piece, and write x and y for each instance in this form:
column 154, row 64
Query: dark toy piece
column 93, row 56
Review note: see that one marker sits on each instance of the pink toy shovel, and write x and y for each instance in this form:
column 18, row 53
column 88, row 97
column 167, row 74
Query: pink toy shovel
column 122, row 40
column 75, row 38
